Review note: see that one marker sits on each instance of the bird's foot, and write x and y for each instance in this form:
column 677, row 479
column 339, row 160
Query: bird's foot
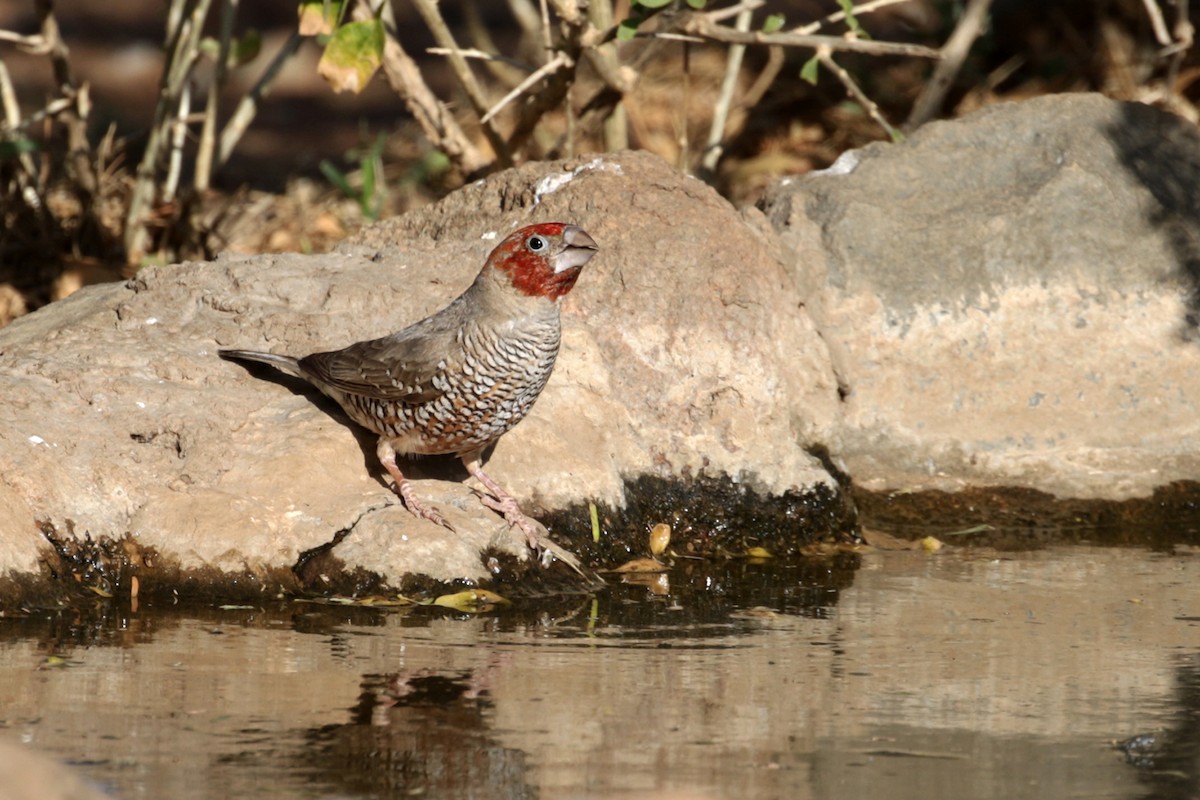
column 403, row 487
column 419, row 508
column 507, row 506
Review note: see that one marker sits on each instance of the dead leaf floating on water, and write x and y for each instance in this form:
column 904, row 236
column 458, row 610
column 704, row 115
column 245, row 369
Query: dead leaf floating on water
column 931, row 544
column 641, row 565
column 660, row 537
column 758, row 552
column 470, row 600
column 885, row 541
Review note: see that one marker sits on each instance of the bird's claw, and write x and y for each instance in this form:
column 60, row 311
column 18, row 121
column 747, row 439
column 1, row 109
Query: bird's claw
column 434, row 516
column 419, row 509
column 516, row 518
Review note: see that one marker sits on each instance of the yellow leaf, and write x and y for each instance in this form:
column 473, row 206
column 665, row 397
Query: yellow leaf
column 470, row 600
column 758, row 552
column 641, row 565
column 352, row 56
column 319, row 18
column 660, row 537
column 930, row 544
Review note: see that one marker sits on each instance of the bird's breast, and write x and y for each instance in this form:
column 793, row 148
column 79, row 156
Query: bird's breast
column 482, row 391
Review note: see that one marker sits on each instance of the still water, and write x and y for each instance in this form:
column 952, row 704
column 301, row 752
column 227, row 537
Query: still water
column 958, row 674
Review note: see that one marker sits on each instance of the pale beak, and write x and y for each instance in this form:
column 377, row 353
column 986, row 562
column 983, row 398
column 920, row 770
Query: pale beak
column 578, row 249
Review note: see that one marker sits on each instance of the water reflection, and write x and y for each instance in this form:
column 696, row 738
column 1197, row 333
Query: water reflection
column 966, row 674
column 420, row 734
column 1169, row 759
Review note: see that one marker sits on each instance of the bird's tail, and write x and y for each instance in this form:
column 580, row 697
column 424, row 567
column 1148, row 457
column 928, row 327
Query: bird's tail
column 285, row 363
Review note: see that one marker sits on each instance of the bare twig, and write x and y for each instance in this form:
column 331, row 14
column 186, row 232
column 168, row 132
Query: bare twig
column 1157, row 23
column 732, row 11
column 12, row 120
column 954, row 53
column 183, row 38
column 604, row 58
column 826, row 57
column 558, row 84
column 699, row 26
column 559, row 61
column 208, row 129
column 54, row 45
column 248, row 106
column 462, row 70
column 568, row 11
column 431, row 114
column 770, row 72
column 178, row 138
column 472, row 52
column 838, row 16
column 733, row 67
column 525, row 14
column 1184, row 36
column 32, row 43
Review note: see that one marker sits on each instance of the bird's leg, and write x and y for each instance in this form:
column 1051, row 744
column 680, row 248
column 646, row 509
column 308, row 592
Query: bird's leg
column 501, row 501
column 404, row 488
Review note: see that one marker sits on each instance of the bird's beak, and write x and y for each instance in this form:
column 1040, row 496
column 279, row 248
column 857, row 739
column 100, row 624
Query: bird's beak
column 578, row 249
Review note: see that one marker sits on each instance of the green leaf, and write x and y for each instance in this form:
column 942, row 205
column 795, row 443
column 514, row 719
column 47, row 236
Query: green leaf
column 336, row 177
column 652, row 3
column 352, row 56
column 851, row 20
column 245, row 48
column 773, row 23
column 809, row 71
column 697, row 4
column 627, row 30
column 16, row 147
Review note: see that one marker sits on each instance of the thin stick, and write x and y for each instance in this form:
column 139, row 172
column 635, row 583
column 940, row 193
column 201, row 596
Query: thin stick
column 179, row 130
column 247, row 108
column 441, row 32
column 472, row 52
column 33, row 43
column 603, row 58
column 560, row 60
column 735, row 10
column 208, row 129
column 1157, row 23
column 700, row 27
column 733, row 67
column 838, row 16
column 436, row 121
column 762, row 83
column 12, row 116
column 1184, row 33
column 954, row 53
column 826, row 57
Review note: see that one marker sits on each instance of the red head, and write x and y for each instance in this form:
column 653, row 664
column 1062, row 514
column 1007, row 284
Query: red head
column 544, row 260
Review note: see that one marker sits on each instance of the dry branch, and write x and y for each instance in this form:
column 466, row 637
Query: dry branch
column 954, row 53
column 701, row 27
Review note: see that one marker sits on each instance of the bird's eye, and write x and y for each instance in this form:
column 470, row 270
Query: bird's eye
column 536, row 244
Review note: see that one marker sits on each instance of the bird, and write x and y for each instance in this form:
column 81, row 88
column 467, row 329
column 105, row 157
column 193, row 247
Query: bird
column 455, row 382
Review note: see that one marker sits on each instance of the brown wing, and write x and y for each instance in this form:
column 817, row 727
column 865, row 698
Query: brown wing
column 407, row 367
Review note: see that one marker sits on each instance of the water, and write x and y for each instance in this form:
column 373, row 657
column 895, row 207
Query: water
column 964, row 674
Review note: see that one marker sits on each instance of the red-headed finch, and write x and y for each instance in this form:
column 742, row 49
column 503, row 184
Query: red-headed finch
column 457, row 381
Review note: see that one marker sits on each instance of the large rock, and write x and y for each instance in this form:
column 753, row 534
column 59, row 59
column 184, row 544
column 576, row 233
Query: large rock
column 685, row 349
column 1009, row 299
